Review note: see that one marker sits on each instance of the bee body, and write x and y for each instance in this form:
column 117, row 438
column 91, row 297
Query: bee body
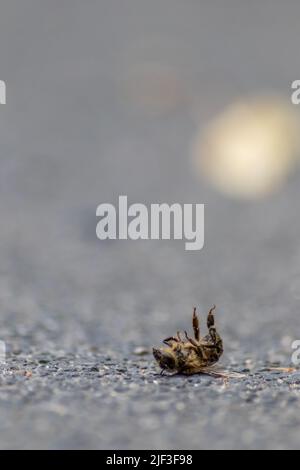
column 191, row 355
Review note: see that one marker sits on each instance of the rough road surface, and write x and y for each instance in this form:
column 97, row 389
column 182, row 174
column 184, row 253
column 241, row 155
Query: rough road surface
column 111, row 401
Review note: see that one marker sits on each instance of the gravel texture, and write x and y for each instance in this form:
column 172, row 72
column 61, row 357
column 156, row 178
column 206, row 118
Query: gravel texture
column 94, row 400
column 74, row 310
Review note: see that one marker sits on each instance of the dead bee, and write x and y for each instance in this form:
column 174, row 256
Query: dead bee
column 192, row 355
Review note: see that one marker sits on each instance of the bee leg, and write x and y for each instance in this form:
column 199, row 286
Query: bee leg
column 179, row 337
column 214, row 335
column 191, row 340
column 196, row 325
column 168, row 341
column 211, row 324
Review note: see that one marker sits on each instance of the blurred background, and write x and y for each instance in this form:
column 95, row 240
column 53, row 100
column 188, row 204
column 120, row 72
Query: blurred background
column 163, row 101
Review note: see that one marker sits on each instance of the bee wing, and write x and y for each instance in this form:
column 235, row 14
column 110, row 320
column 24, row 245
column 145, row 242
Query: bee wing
column 222, row 373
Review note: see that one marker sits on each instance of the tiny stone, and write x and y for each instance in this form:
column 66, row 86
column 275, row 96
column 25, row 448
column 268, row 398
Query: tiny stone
column 141, row 351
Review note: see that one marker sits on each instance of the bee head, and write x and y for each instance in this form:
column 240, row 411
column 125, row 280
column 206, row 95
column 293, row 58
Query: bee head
column 165, row 358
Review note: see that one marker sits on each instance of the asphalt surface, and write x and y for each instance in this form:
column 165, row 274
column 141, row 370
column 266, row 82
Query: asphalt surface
column 75, row 133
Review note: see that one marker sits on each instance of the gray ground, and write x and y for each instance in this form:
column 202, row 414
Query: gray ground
column 73, row 309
